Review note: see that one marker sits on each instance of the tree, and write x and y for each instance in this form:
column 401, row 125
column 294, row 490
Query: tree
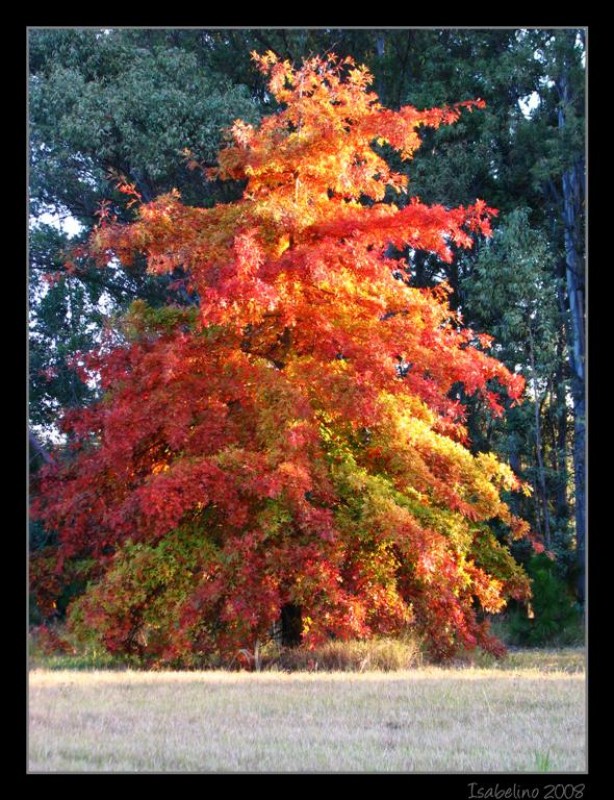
column 296, row 442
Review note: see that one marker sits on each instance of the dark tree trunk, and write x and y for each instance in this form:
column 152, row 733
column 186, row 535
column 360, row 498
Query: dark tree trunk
column 291, row 625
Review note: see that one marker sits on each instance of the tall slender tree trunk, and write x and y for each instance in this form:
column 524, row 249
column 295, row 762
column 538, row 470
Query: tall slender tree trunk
column 573, row 201
column 541, row 473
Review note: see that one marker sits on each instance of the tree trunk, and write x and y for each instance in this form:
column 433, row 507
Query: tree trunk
column 291, row 625
column 541, row 474
column 573, row 201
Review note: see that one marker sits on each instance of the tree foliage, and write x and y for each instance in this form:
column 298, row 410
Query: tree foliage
column 99, row 101
column 297, row 439
column 107, row 108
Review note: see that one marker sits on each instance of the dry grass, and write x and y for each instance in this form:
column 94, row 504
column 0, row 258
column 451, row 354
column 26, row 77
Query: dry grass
column 426, row 720
column 374, row 655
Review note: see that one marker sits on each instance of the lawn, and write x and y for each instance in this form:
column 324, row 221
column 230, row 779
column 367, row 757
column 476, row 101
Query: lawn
column 525, row 715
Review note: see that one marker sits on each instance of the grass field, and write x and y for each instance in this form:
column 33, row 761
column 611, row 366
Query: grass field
column 527, row 715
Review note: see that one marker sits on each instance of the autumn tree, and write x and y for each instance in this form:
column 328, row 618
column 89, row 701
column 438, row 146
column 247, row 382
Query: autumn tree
column 297, row 440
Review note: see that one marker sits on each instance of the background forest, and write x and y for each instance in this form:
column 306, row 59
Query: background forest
column 144, row 107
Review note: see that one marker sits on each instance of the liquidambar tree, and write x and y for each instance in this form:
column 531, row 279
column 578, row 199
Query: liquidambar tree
column 298, row 439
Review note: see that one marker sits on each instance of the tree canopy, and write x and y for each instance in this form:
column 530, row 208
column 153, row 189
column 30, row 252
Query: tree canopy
column 299, row 438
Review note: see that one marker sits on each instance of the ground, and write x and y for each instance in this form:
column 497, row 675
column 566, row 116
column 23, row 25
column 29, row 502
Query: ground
column 526, row 714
